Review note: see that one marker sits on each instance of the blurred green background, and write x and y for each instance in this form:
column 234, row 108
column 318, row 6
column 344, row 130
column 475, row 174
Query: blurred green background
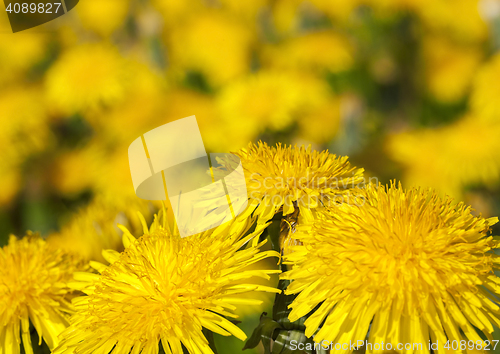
column 409, row 89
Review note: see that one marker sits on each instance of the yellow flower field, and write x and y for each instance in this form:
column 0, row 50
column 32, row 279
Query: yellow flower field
column 369, row 137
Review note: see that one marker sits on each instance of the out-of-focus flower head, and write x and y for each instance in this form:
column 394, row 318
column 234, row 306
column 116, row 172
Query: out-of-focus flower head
column 449, row 67
column 33, row 289
column 97, row 167
column 24, row 131
column 175, row 12
column 212, row 43
column 301, row 52
column 271, row 99
column 451, row 157
column 462, row 20
column 403, row 267
column 321, row 123
column 339, row 11
column 103, row 17
column 142, row 109
column 74, row 171
column 184, row 103
column 248, row 11
column 285, row 178
column 94, row 229
column 166, row 288
column 10, row 180
column 87, row 77
column 288, row 16
column 24, row 123
column 19, row 52
column 486, row 90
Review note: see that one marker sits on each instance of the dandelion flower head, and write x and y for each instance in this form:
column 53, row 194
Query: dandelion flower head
column 33, row 277
column 463, row 154
column 87, row 77
column 409, row 264
column 286, row 177
column 165, row 288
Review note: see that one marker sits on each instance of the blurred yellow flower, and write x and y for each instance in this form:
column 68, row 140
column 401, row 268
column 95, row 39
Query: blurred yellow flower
column 339, row 11
column 321, row 124
column 213, row 43
column 19, row 52
column 94, row 227
column 449, row 67
column 285, row 15
column 114, row 179
column 451, row 157
column 103, row 17
column 24, row 123
column 10, row 180
column 73, row 171
column 387, row 6
column 182, row 103
column 460, row 18
column 486, row 91
column 142, row 110
column 403, row 267
column 271, row 99
column 33, row 289
column 175, row 12
column 103, row 169
column 87, row 77
column 24, row 132
column 301, row 52
column 166, row 288
column 248, row 11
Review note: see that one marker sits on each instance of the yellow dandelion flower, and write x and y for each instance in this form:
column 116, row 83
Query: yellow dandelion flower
column 321, row 124
column 301, row 52
column 73, row 171
column 94, row 228
column 449, row 67
column 145, row 99
column 33, row 289
column 449, row 158
column 163, row 287
column 463, row 20
column 405, row 266
column 87, row 77
column 98, row 167
column 486, row 90
column 212, row 43
column 10, row 180
column 342, row 10
column 391, row 5
column 182, row 103
column 103, row 17
column 114, row 173
column 245, row 10
column 286, row 177
column 19, row 52
column 271, row 98
column 175, row 12
column 286, row 15
column 24, row 125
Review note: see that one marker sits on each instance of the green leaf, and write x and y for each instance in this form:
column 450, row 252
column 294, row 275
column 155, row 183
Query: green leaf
column 264, row 332
column 268, row 334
